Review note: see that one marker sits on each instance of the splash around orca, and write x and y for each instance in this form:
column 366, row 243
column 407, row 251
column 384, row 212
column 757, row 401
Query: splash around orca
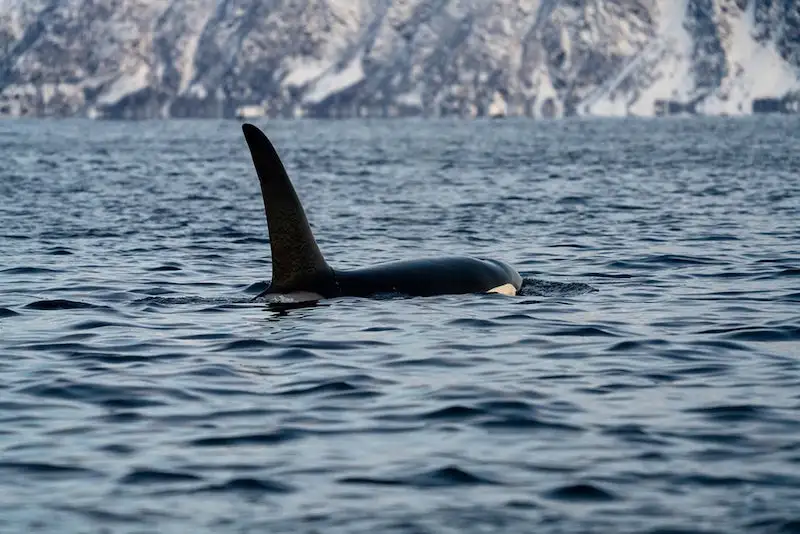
column 300, row 271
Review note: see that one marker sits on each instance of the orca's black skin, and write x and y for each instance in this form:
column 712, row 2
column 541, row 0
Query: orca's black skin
column 298, row 264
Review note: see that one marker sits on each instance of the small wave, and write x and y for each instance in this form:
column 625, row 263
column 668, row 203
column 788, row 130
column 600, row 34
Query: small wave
column 7, row 312
column 118, row 449
column 704, row 480
column 628, row 207
column 634, row 433
column 630, row 345
column 46, row 470
column 123, row 418
column 720, row 438
column 248, row 485
column 164, row 268
column 108, row 396
column 714, row 237
column 522, row 422
column 336, row 386
column 294, row 354
column 776, row 525
column 572, row 200
column 114, row 358
column 62, row 304
column 344, row 346
column 93, row 325
column 156, row 299
column 492, row 413
column 581, row 493
column 105, row 517
column 522, row 318
column 655, row 261
column 783, row 333
column 747, row 333
column 732, row 413
column 211, row 370
column 19, row 237
column 139, row 477
column 721, row 344
column 454, row 413
column 250, row 241
column 680, row 259
column 270, row 438
column 59, row 251
column 473, row 323
column 703, row 370
column 244, row 344
column 30, row 270
column 506, row 406
column 584, row 331
column 433, row 362
column 450, row 476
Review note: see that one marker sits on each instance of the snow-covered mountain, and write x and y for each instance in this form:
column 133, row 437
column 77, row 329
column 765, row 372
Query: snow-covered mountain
column 211, row 58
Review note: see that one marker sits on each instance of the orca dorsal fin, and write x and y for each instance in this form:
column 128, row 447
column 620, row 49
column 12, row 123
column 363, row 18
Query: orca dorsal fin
column 296, row 258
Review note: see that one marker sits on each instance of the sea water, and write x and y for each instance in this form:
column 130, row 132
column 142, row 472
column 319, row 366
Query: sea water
column 647, row 379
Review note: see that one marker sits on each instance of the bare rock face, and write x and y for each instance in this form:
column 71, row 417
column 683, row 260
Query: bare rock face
column 331, row 58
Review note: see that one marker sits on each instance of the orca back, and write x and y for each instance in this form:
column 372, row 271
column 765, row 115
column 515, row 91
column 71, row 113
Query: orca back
column 427, row 277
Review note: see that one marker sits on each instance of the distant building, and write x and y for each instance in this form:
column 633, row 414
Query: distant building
column 789, row 103
column 251, row 111
column 673, row 107
column 767, row 105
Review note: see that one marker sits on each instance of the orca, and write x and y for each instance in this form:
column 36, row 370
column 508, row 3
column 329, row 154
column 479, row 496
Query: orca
column 300, row 272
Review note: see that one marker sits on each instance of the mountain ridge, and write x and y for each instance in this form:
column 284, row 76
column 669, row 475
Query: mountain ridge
column 341, row 58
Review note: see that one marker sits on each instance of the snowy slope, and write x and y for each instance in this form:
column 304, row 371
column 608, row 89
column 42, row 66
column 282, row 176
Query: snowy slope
column 207, row 58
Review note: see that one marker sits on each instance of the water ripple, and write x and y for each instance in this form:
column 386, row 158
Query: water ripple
column 581, row 492
column 450, row 476
column 61, row 304
column 279, row 436
column 139, row 477
column 248, row 486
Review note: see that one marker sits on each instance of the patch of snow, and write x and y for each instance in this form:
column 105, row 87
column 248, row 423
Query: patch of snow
column 187, row 69
column 673, row 77
column 47, row 91
column 337, row 81
column 125, row 85
column 196, row 20
column 198, row 91
column 302, row 71
column 606, row 101
column 410, row 99
column 20, row 91
column 608, row 107
column 187, row 66
column 546, row 92
column 755, row 70
column 498, row 106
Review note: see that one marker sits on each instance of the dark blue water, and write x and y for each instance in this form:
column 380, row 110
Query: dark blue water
column 647, row 380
